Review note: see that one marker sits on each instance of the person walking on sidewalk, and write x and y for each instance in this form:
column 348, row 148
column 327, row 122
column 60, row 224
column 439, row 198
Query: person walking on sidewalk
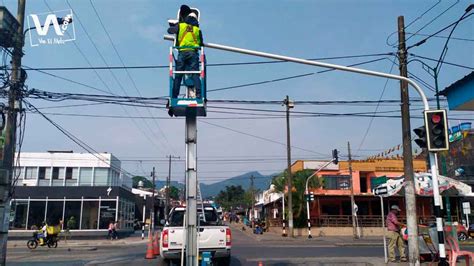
column 395, row 238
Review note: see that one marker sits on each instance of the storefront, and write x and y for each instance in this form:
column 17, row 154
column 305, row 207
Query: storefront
column 80, row 208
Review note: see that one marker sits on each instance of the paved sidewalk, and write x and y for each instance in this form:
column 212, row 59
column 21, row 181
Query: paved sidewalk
column 325, row 240
column 86, row 243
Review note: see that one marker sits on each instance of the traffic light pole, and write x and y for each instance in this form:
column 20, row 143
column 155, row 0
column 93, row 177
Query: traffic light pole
column 307, row 193
column 8, row 153
column 191, row 190
column 406, row 80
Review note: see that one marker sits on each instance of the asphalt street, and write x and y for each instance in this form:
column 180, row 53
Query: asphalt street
column 247, row 249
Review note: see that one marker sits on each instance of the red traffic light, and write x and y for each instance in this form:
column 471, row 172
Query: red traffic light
column 436, row 118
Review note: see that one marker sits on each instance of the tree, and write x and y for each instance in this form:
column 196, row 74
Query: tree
column 174, row 193
column 231, row 197
column 146, row 183
column 299, row 186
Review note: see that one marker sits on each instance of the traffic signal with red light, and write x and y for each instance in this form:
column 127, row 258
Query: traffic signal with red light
column 437, row 130
column 421, row 140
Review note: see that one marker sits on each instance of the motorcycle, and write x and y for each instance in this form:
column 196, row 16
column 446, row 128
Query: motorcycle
column 51, row 241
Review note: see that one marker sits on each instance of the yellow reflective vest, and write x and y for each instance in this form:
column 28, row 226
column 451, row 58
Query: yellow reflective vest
column 188, row 36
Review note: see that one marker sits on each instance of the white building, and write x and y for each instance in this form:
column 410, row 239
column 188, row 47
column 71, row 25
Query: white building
column 60, row 168
column 85, row 191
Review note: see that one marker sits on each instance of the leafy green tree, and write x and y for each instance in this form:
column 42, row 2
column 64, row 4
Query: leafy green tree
column 232, row 196
column 299, row 184
column 146, row 183
column 174, row 192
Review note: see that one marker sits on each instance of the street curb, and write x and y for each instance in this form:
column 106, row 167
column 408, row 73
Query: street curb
column 358, row 244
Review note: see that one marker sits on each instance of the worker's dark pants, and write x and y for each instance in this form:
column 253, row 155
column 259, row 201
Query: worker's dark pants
column 187, row 61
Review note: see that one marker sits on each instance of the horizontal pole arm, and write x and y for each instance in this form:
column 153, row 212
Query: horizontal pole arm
column 316, row 63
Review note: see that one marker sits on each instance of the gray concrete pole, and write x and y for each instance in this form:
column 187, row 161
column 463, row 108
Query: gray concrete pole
column 191, row 190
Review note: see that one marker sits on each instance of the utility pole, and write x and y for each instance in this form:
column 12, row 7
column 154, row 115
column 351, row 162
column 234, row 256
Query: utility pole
column 253, row 195
column 168, row 184
column 410, row 198
column 289, row 104
column 192, row 255
column 7, row 160
column 152, row 213
column 354, row 217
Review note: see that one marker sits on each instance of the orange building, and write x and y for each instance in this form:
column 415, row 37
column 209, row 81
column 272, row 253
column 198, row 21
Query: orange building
column 332, row 204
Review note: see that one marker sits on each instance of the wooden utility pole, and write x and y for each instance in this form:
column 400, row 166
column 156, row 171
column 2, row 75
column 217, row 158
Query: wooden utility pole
column 8, row 153
column 354, row 217
column 410, row 198
column 289, row 104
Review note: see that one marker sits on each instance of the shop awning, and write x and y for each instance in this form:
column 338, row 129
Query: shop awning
column 424, row 186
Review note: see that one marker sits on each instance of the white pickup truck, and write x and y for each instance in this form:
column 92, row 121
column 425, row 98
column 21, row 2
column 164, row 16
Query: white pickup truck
column 213, row 237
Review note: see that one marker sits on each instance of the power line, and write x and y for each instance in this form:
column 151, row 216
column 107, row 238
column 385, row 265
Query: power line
column 128, row 74
column 443, row 37
column 97, row 74
column 433, row 20
column 439, row 31
column 207, row 65
column 290, row 77
column 75, row 139
column 375, row 111
column 444, row 62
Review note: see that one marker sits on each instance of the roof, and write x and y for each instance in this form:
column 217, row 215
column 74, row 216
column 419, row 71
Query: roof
column 458, row 84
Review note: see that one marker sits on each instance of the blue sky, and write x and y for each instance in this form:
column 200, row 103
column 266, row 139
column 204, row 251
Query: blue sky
column 306, row 29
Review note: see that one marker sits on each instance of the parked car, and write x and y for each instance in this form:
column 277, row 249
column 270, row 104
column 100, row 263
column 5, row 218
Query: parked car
column 213, row 235
column 470, row 232
column 461, row 231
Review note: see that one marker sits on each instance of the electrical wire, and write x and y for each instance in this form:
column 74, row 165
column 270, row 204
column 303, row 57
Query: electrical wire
column 160, row 130
column 290, row 77
column 433, row 20
column 375, row 111
column 75, row 139
column 444, row 62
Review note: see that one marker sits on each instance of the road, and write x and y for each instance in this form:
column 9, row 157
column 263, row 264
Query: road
column 247, row 249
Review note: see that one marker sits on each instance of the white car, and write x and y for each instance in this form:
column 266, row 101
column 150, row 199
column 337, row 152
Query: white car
column 213, row 237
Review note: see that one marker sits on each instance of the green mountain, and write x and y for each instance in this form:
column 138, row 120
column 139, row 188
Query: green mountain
column 261, row 182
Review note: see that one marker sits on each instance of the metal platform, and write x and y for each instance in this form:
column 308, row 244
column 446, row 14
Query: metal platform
column 188, row 106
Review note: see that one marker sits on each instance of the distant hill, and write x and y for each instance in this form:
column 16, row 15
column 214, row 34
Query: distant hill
column 261, row 182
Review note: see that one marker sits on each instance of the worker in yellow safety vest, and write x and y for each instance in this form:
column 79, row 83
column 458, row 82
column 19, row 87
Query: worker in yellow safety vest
column 188, row 40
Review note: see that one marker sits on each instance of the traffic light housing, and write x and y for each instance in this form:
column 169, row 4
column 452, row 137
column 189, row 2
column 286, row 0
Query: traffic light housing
column 335, row 156
column 437, row 130
column 421, row 140
column 309, row 197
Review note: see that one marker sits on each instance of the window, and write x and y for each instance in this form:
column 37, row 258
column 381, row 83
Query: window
column 58, row 172
column 36, row 214
column 54, row 212
column 107, row 213
column 85, row 176
column 31, row 172
column 336, row 182
column 18, row 219
column 72, row 215
column 90, row 211
column 44, row 173
column 101, row 177
column 72, row 172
